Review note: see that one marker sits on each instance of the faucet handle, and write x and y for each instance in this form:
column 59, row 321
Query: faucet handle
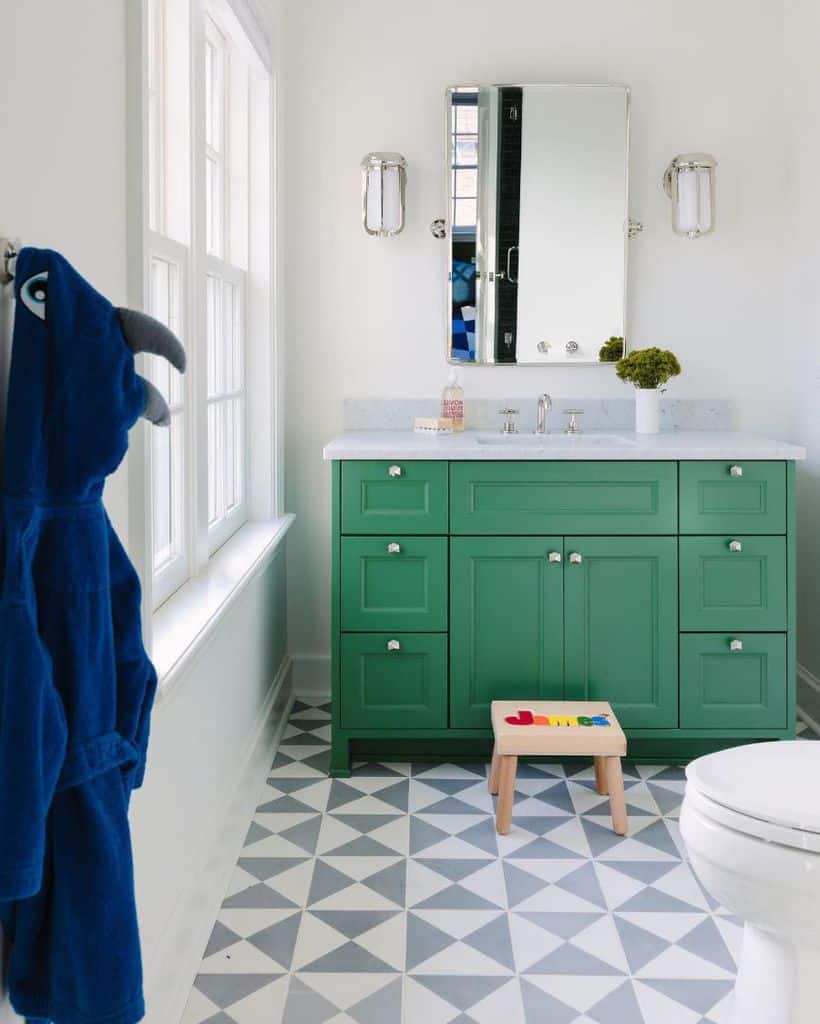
column 573, row 427
column 509, row 426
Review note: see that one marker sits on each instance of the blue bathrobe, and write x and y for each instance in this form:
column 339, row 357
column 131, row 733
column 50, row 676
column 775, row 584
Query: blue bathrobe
column 76, row 686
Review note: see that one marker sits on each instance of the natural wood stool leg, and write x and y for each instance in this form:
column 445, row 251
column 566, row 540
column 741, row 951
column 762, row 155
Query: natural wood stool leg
column 617, row 800
column 506, row 792
column 600, row 776
column 492, row 781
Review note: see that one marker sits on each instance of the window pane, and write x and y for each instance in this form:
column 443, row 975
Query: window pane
column 466, row 212
column 466, row 118
column 465, row 184
column 166, row 471
column 214, row 205
column 466, row 149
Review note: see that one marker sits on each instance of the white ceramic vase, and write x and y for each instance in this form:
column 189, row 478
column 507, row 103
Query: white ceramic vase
column 647, row 410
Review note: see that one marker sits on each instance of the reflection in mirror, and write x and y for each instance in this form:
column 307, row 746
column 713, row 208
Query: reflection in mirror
column 537, row 184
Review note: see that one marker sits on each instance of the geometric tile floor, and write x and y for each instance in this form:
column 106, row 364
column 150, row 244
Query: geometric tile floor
column 388, row 898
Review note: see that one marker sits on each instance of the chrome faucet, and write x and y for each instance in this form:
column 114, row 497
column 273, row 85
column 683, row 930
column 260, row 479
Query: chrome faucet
column 544, row 406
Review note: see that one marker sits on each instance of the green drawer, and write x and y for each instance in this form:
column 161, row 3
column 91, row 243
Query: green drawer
column 722, row 688
column 400, row 497
column 394, row 583
column 723, row 589
column 520, row 498
column 401, row 688
column 722, row 497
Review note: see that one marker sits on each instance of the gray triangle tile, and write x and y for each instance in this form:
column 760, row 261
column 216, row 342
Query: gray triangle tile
column 326, row 706
column 640, row 946
column 462, row 1018
column 699, row 995
column 600, row 838
column 456, row 897
column 657, row 836
column 482, row 836
column 226, row 989
column 305, row 835
column 423, row 835
column 255, row 833
column 451, row 805
column 646, row 871
column 557, row 796
column 364, row 846
column 305, row 1006
column 569, row 959
column 619, row 1007
column 304, row 739
column 325, row 882
column 353, row 923
column 299, row 706
column 264, row 868
column 451, row 787
column 565, row 925
column 348, row 959
column 285, row 805
column 288, row 785
column 455, row 771
column 382, row 1007
column 390, row 882
column 653, row 901
column 453, row 868
column 538, row 826
column 397, row 796
column 258, row 897
column 221, row 938
column 220, row 1018
column 542, row 849
column 341, row 793
column 423, row 941
column 584, row 882
column 672, row 774
column 530, row 770
column 460, row 990
column 542, row 1008
column 375, row 770
column 308, row 724
column 319, row 762
column 279, row 940
column 365, row 823
column 706, row 941
column 520, row 884
column 667, row 800
column 493, row 940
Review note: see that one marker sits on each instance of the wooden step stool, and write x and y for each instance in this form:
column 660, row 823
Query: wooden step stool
column 555, row 728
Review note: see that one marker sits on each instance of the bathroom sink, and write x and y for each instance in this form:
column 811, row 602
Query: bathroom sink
column 591, row 439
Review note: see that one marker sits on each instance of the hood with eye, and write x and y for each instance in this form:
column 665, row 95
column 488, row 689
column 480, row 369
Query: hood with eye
column 73, row 389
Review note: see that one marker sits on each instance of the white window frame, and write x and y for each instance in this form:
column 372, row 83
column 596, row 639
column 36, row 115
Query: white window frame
column 259, row 388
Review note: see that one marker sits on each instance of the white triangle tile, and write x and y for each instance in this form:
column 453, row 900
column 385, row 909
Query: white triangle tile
column 721, row 1013
column 340, row 1018
column 572, row 837
column 536, row 808
column 458, row 923
column 264, row 1005
column 315, row 939
column 296, row 770
column 241, row 880
column 601, row 940
column 585, row 799
column 314, row 796
column 529, row 942
column 447, row 771
column 358, row 868
column 532, row 786
column 422, row 1005
column 557, row 901
column 274, row 846
column 461, row 959
column 240, row 958
column 345, row 990
column 395, row 835
column 280, row 822
column 423, row 882
column 546, row 869
column 680, row 883
column 301, row 753
column 489, row 883
column 616, row 887
column 675, row 962
column 294, row 883
column 422, row 796
column 641, row 797
column 248, row 922
column 502, row 1005
column 355, row 897
column 670, row 927
column 656, row 1006
column 367, row 804
column 198, row 1008
column 578, row 991
column 454, row 848
column 674, row 832
column 629, row 849
column 648, row 771
column 453, row 823
column 477, row 796
column 514, row 840
column 732, row 935
column 387, row 941
column 334, row 833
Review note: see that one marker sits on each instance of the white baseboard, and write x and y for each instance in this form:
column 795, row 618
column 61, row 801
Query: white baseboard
column 311, row 675
column 190, row 926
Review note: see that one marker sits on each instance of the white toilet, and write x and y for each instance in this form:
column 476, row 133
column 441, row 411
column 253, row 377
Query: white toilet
column 751, row 824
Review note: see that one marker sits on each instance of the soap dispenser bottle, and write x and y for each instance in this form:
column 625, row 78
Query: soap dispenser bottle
column 452, row 401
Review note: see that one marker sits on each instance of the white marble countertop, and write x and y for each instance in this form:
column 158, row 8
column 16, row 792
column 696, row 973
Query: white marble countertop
column 493, row 446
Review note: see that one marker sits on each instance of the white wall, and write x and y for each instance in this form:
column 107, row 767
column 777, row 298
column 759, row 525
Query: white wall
column 366, row 317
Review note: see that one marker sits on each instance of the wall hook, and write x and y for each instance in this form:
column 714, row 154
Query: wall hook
column 9, row 250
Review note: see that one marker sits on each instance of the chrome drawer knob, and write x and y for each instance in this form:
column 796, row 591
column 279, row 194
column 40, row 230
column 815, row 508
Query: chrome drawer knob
column 575, row 558
column 393, row 645
column 394, row 471
column 736, row 471
column 735, row 645
column 393, row 548
column 735, row 545
column 554, row 556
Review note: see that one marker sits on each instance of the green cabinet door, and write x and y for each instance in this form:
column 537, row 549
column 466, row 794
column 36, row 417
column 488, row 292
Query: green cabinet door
column 621, row 626
column 733, row 582
column 733, row 681
column 394, row 583
column 506, row 624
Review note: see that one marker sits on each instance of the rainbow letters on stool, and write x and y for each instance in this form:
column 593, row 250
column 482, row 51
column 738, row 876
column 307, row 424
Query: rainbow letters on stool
column 525, row 717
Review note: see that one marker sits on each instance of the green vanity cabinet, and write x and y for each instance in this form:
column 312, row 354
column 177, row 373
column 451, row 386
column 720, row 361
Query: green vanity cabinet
column 663, row 587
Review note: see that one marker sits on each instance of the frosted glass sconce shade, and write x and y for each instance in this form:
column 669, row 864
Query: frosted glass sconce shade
column 689, row 182
column 384, row 178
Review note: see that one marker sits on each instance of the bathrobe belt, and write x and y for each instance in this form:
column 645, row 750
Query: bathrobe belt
column 89, row 758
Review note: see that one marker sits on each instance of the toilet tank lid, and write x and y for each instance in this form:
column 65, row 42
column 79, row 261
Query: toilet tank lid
column 778, row 782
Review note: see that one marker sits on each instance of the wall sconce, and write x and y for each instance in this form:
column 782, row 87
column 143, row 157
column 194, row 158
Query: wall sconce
column 384, row 178
column 689, row 181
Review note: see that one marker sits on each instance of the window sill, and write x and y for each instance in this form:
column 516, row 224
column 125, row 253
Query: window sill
column 187, row 619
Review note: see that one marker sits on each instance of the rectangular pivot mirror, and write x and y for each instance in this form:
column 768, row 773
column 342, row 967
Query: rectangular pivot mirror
column 537, row 195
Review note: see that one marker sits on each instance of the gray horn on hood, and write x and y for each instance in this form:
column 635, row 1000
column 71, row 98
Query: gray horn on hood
column 145, row 334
